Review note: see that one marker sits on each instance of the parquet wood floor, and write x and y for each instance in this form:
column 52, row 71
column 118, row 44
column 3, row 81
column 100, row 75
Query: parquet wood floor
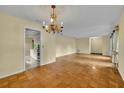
column 71, row 71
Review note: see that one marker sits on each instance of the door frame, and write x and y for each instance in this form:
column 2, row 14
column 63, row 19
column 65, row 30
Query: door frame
column 41, row 50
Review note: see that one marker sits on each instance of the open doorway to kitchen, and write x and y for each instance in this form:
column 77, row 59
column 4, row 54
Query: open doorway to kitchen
column 32, row 45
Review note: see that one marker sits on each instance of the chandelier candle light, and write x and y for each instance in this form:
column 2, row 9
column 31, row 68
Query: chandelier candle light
column 53, row 26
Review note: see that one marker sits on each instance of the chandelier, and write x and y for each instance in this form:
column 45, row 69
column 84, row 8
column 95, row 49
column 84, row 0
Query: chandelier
column 53, row 26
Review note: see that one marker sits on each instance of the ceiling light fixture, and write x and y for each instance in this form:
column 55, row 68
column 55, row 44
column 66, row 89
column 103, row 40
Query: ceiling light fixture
column 53, row 26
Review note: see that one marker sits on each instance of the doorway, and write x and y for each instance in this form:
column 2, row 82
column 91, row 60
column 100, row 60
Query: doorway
column 32, row 49
column 96, row 45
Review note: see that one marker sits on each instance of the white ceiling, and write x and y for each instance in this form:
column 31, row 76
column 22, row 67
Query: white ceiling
column 79, row 20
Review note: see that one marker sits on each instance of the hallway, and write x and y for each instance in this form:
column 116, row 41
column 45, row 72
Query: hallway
column 75, row 70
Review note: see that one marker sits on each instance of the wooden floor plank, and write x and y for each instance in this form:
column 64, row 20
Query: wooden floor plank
column 71, row 71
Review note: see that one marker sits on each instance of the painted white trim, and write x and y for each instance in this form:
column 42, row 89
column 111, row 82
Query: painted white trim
column 11, row 73
column 50, row 62
column 66, row 54
column 41, row 50
column 121, row 74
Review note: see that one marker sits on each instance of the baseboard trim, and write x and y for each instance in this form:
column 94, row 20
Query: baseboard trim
column 47, row 63
column 12, row 73
column 66, row 55
column 121, row 74
column 96, row 53
column 19, row 71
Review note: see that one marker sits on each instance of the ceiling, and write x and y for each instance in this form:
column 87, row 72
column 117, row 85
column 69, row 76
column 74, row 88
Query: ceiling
column 79, row 20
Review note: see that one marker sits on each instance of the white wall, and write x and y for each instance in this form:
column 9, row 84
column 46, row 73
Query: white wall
column 121, row 46
column 12, row 44
column 65, row 45
column 96, row 45
column 83, row 45
column 106, row 46
column 49, row 44
column 100, row 45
